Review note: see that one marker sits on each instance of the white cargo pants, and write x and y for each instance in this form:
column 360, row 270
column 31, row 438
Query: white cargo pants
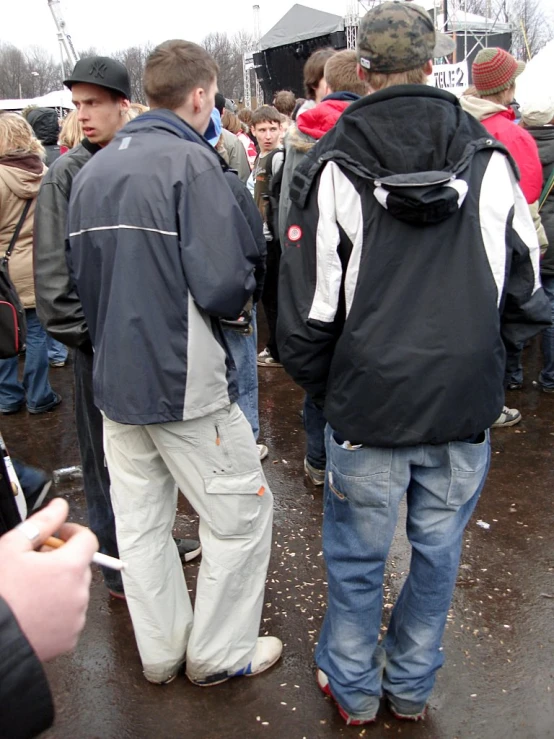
column 215, row 462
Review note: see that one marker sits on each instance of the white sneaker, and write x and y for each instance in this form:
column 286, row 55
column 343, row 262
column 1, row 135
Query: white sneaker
column 263, row 451
column 268, row 652
column 508, row 417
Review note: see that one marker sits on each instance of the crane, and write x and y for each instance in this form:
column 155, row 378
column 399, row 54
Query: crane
column 64, row 39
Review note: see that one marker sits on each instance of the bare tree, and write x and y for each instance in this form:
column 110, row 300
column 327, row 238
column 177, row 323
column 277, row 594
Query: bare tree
column 531, row 24
column 134, row 58
column 228, row 53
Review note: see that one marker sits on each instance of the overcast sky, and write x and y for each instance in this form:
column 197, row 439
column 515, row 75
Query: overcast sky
column 115, row 24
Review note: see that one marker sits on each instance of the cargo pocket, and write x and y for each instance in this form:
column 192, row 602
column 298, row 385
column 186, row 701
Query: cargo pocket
column 234, row 502
column 468, row 464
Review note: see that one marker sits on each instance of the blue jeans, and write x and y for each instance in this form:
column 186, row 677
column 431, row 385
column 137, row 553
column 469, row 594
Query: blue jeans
column 546, row 377
column 57, row 352
column 35, row 389
column 244, row 351
column 363, row 491
column 314, row 426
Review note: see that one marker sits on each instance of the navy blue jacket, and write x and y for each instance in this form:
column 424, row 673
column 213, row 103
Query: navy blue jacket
column 159, row 250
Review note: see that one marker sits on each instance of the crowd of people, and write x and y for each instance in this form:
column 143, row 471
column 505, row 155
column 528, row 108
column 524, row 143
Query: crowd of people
column 393, row 235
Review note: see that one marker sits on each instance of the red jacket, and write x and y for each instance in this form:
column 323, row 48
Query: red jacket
column 316, row 122
column 522, row 147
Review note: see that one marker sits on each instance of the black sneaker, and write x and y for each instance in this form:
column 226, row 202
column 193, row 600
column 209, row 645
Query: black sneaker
column 50, row 407
column 188, row 548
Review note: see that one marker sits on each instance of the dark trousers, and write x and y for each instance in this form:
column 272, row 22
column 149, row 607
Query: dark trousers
column 96, row 480
column 314, row 425
column 269, row 295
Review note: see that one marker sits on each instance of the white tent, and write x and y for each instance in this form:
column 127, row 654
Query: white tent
column 299, row 24
column 56, row 99
column 534, row 87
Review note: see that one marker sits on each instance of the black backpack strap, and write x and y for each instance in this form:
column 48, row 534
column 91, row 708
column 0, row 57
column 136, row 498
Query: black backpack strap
column 20, row 223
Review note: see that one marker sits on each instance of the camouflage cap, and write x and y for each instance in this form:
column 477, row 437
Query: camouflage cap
column 399, row 36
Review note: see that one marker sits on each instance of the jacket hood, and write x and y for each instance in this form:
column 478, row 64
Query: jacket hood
column 22, row 175
column 480, row 108
column 321, row 119
column 44, row 122
column 412, row 142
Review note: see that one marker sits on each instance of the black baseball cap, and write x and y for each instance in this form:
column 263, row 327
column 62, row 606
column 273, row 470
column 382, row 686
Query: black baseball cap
column 102, row 71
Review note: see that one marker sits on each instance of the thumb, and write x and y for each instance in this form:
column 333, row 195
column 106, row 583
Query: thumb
column 37, row 528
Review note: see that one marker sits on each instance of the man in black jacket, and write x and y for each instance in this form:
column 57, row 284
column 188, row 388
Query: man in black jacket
column 410, row 259
column 45, row 124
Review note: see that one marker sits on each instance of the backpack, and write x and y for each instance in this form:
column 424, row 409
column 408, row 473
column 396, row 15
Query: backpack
column 13, row 327
column 275, row 182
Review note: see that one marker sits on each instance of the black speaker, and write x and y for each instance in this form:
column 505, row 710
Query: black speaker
column 281, row 68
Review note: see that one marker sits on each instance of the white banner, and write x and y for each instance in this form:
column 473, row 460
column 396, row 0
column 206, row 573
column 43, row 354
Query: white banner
column 451, row 77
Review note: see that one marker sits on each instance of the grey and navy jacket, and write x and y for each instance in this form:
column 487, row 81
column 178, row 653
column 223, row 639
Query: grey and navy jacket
column 410, row 261
column 159, row 250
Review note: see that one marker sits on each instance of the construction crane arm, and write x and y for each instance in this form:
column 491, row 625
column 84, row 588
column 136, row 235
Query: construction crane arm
column 63, row 37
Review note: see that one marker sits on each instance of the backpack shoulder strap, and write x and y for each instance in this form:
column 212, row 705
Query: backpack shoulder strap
column 547, row 189
column 18, row 229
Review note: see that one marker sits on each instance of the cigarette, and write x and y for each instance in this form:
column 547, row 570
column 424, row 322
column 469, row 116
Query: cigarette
column 98, row 558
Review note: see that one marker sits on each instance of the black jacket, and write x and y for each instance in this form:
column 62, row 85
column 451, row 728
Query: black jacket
column 45, row 124
column 58, row 306
column 544, row 136
column 410, row 256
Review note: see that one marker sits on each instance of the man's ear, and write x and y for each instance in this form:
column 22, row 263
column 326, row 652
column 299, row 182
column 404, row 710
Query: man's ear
column 428, row 67
column 360, row 72
column 124, row 106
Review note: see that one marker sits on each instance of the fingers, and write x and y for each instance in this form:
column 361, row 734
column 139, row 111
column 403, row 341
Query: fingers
column 80, row 545
column 32, row 532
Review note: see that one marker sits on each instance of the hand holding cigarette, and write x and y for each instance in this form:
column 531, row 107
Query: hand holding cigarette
column 48, row 594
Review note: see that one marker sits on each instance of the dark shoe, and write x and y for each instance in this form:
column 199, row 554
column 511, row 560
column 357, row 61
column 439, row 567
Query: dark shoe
column 514, row 386
column 119, row 594
column 350, row 720
column 316, row 477
column 10, row 411
column 540, row 386
column 50, row 407
column 188, row 548
column 405, row 712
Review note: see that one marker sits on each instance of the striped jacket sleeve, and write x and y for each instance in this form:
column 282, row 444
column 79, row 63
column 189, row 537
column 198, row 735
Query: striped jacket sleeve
column 314, row 277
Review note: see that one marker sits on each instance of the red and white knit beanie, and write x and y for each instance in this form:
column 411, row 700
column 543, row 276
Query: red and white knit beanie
column 494, row 70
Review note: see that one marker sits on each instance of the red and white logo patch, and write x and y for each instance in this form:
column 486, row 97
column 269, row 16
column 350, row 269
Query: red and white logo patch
column 294, row 233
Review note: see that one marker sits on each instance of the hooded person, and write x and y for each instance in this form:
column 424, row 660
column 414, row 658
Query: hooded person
column 46, row 126
column 410, row 259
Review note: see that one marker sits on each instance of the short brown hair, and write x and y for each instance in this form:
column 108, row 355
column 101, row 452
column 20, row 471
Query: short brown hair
column 313, row 70
column 245, row 115
column 265, row 113
column 379, row 80
column 341, row 73
column 174, row 69
column 284, row 101
column 231, row 122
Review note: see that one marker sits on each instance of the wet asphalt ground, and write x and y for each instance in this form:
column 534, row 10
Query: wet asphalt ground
column 498, row 680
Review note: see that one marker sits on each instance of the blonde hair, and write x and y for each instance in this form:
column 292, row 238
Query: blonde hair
column 136, row 109
column 17, row 137
column 379, row 81
column 71, row 133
